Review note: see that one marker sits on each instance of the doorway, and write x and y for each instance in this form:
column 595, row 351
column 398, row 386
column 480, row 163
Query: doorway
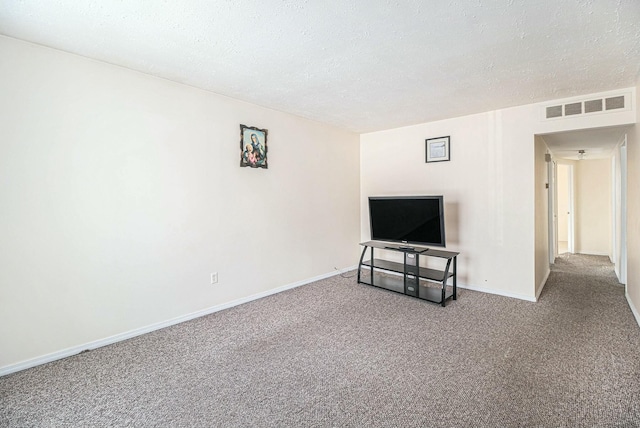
column 578, row 188
column 564, row 209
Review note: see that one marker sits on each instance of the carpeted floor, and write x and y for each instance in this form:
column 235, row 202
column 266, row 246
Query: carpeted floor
column 338, row 354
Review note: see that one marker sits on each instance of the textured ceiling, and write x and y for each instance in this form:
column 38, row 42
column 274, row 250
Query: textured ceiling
column 363, row 65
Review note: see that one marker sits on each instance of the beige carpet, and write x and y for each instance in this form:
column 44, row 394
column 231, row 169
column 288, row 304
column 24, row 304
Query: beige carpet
column 338, row 354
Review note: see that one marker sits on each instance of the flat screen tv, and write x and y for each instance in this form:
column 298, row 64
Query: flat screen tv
column 408, row 219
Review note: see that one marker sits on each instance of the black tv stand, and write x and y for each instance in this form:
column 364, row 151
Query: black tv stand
column 409, row 277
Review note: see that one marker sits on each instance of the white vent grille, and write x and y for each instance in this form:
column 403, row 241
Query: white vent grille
column 584, row 107
column 555, row 111
column 573, row 108
column 593, row 105
column 614, row 103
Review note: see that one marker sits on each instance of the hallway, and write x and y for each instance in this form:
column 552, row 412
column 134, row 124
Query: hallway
column 588, row 283
column 585, row 264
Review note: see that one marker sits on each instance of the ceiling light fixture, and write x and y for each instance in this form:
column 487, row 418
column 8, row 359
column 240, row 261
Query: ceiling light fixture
column 581, row 154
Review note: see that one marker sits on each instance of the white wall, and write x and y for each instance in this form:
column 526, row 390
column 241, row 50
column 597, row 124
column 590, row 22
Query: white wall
column 121, row 192
column 489, row 185
column 475, row 189
column 593, row 218
column 542, row 219
column 619, row 208
column 564, row 206
column 633, row 215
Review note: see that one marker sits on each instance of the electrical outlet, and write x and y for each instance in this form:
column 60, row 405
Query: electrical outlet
column 214, row 277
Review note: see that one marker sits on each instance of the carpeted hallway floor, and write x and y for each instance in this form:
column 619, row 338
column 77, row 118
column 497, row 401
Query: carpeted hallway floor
column 338, row 354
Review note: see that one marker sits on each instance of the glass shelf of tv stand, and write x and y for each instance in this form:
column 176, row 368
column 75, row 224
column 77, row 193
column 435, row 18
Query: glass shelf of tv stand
column 393, row 275
column 418, row 249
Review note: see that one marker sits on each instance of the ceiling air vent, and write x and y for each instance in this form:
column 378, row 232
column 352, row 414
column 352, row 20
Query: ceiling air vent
column 593, row 105
column 614, row 103
column 555, row 111
column 577, row 108
column 573, row 108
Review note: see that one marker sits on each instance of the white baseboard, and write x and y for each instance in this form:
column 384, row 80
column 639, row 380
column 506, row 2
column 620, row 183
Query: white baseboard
column 499, row 293
column 636, row 314
column 27, row 364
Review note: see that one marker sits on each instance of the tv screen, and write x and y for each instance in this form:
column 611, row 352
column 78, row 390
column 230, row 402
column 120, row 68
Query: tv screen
column 408, row 219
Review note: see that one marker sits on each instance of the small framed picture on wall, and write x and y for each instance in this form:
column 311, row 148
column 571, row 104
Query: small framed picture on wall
column 438, row 149
column 253, row 147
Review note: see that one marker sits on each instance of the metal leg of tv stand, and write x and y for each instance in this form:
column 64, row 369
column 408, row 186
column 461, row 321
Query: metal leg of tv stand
column 455, row 276
column 444, row 282
column 364, row 250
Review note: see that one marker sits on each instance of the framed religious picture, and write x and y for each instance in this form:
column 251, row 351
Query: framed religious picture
column 253, row 147
column 438, row 149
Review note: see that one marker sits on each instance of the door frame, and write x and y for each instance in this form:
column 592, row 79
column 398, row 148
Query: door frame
column 553, row 212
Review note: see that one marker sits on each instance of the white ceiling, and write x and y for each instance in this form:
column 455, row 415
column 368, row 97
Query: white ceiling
column 363, row 65
column 598, row 143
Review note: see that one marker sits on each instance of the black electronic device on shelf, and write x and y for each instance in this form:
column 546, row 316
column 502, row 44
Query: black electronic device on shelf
column 409, row 224
column 408, row 220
